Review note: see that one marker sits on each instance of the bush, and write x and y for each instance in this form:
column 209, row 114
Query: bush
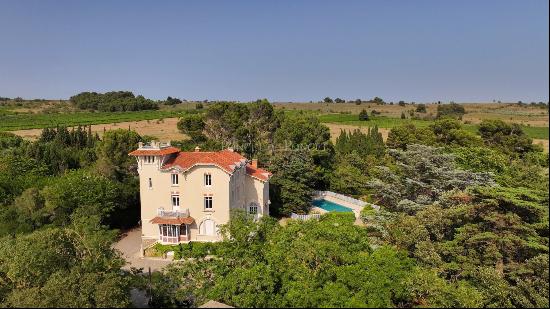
column 364, row 115
column 421, row 108
column 172, row 101
column 188, row 250
column 451, row 110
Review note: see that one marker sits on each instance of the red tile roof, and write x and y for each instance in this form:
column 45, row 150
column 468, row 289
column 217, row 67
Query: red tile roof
column 225, row 159
column 172, row 220
column 257, row 172
column 154, row 152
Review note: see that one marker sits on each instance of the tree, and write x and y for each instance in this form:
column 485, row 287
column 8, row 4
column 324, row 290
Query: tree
column 508, row 137
column 338, row 100
column 76, row 268
column 192, row 125
column 348, row 179
column 371, row 143
column 453, row 110
column 302, row 129
column 401, row 136
column 358, row 101
column 97, row 195
column 422, row 176
column 364, row 115
column 113, row 151
column 327, row 100
column 172, row 101
column 448, row 131
column 112, row 101
column 324, row 263
column 421, row 108
column 378, row 101
column 292, row 183
column 487, row 236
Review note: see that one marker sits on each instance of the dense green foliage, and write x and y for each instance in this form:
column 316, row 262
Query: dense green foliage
column 328, row 263
column 58, row 209
column 450, row 110
column 463, row 219
column 509, row 137
column 420, row 178
column 112, row 101
column 63, row 267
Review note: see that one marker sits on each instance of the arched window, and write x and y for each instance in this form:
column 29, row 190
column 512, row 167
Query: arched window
column 208, row 227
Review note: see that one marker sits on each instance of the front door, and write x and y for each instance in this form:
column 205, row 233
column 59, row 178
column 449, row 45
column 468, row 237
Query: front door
column 208, row 227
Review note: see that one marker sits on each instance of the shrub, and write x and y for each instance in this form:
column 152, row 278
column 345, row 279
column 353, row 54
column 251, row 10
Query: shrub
column 364, row 115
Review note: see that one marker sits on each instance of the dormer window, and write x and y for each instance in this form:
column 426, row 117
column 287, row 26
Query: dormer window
column 175, row 179
column 207, row 180
column 149, row 159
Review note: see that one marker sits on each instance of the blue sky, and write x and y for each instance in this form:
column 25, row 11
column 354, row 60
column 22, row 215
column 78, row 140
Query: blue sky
column 281, row 50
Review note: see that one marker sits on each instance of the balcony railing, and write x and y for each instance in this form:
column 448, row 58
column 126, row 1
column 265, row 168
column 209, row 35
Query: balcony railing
column 161, row 212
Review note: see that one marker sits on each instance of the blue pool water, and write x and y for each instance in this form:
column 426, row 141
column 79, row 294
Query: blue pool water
column 330, row 206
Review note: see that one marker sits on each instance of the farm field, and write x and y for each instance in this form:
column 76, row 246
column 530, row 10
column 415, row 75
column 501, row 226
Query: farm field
column 28, row 118
column 13, row 122
column 475, row 112
column 388, row 123
column 162, row 129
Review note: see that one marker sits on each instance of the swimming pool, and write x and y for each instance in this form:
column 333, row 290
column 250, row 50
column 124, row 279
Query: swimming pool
column 330, row 206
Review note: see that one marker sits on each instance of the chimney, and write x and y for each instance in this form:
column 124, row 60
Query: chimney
column 254, row 163
column 197, row 149
column 140, row 145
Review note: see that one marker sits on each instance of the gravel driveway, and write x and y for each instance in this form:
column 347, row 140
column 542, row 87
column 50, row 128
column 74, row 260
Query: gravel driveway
column 130, row 246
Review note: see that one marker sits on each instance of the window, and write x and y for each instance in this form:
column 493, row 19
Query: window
column 150, row 183
column 175, row 179
column 168, row 230
column 207, row 203
column 175, row 201
column 149, row 159
column 171, row 233
column 207, row 180
column 253, row 209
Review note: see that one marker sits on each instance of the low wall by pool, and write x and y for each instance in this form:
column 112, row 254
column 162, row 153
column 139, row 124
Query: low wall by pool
column 354, row 205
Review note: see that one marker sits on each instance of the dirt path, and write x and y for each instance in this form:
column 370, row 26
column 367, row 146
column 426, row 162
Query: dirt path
column 164, row 130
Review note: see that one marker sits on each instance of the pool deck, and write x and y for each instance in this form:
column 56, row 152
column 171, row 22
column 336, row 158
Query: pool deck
column 355, row 208
column 327, row 197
